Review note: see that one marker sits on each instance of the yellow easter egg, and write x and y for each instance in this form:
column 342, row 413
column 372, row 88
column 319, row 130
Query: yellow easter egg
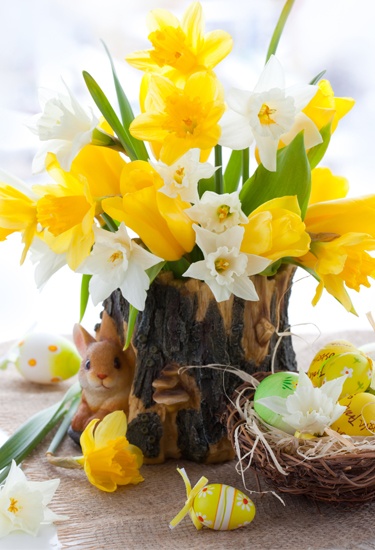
column 47, row 358
column 356, row 365
column 327, row 352
column 223, row 508
column 279, row 384
column 359, row 416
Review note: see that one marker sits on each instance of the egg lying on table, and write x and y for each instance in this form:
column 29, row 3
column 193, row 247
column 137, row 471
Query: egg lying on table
column 223, row 508
column 46, row 358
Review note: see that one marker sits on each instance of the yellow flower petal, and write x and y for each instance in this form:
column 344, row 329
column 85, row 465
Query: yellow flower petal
column 325, row 186
column 112, row 426
column 325, row 107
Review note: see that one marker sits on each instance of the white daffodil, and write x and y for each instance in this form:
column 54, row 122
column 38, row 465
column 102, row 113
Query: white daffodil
column 116, row 261
column 46, row 261
column 63, row 125
column 181, row 178
column 24, row 504
column 309, row 410
column 216, row 212
column 225, row 268
column 268, row 114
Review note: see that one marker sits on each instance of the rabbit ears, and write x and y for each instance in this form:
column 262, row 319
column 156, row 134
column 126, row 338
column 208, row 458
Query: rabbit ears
column 107, row 331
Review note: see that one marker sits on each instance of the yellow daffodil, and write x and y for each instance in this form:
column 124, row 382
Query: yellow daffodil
column 325, row 186
column 275, row 230
column 341, row 261
column 324, row 107
column 181, row 119
column 160, row 221
column 67, row 209
column 109, row 460
column 180, row 49
column 342, row 216
column 17, row 211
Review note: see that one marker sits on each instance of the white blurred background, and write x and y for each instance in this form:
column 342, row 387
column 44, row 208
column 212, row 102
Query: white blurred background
column 42, row 41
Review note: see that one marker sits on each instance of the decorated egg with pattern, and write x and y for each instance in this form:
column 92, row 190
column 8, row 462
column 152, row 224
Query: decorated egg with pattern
column 355, row 365
column 46, row 358
column 324, row 354
column 358, row 417
column 279, row 384
column 223, row 508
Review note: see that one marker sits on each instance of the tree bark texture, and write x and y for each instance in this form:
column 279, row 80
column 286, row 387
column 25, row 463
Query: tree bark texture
column 176, row 411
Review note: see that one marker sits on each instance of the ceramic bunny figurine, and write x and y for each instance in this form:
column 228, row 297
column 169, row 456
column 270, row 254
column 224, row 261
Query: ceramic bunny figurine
column 106, row 373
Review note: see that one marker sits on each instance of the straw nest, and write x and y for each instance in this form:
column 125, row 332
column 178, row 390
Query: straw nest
column 331, row 468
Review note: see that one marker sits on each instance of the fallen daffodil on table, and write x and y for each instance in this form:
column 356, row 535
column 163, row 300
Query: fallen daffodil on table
column 309, row 410
column 109, row 460
column 24, row 503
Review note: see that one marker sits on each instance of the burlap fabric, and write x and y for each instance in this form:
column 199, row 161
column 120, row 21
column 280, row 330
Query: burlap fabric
column 137, row 517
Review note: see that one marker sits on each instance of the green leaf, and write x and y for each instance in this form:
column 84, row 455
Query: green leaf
column 316, row 153
column 272, row 269
column 63, row 428
column 133, row 312
column 233, row 171
column 293, row 177
column 206, row 184
column 218, row 175
column 316, row 79
column 154, row 271
column 85, row 294
column 178, row 267
column 32, row 432
column 109, row 114
column 126, row 111
column 279, row 28
column 111, row 225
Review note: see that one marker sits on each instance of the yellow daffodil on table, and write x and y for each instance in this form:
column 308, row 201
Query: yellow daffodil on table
column 109, row 460
column 180, row 49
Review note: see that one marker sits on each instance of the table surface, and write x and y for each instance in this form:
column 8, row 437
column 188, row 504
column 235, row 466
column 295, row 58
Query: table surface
column 137, row 517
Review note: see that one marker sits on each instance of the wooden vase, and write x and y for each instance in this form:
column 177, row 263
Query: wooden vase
column 175, row 412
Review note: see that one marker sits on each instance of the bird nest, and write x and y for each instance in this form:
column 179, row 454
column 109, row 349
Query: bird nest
column 332, row 468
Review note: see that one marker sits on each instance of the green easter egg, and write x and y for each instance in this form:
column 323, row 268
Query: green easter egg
column 280, row 384
column 356, row 365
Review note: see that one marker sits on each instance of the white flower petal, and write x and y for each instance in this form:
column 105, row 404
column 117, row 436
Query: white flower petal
column 312, row 136
column 271, row 77
column 236, row 132
column 302, row 94
column 256, row 264
column 267, row 152
column 244, row 288
column 275, row 404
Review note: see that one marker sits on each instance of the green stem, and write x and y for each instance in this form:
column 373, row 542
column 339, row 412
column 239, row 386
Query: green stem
column 61, row 432
column 219, row 182
column 279, row 28
column 111, row 225
column 245, row 165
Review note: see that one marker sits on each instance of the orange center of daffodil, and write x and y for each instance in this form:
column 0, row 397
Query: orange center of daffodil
column 223, row 212
column 221, row 264
column 59, row 214
column 116, row 256
column 179, row 175
column 170, row 48
column 265, row 114
column 183, row 114
column 13, row 508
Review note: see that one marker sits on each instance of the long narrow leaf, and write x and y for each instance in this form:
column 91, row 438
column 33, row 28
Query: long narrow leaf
column 85, row 294
column 109, row 114
column 126, row 111
column 279, row 28
column 233, row 171
column 19, row 445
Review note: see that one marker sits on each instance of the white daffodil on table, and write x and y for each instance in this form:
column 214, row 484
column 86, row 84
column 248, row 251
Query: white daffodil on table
column 63, row 125
column 217, row 212
column 309, row 410
column 225, row 268
column 116, row 261
column 269, row 114
column 24, row 504
column 181, row 178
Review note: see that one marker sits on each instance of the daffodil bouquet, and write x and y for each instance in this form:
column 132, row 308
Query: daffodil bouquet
column 171, row 188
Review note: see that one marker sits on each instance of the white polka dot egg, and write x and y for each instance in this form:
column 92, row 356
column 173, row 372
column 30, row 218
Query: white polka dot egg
column 46, row 358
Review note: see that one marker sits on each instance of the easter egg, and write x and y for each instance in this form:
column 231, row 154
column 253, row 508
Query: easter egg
column 359, row 416
column 280, row 384
column 356, row 365
column 324, row 354
column 223, row 508
column 47, row 358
